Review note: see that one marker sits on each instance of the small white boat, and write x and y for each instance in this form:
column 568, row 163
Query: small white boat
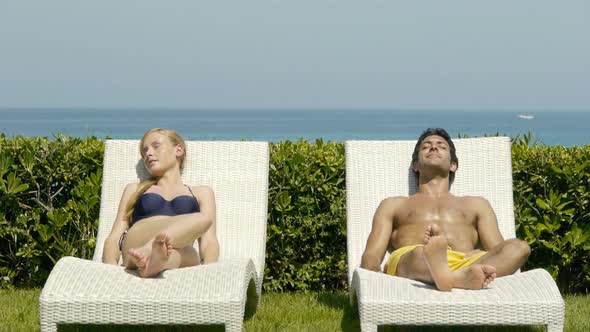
column 526, row 116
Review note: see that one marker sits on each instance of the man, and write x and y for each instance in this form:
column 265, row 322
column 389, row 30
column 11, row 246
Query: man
column 436, row 234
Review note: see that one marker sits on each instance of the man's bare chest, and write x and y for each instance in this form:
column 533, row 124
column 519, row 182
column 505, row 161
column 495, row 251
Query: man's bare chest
column 446, row 213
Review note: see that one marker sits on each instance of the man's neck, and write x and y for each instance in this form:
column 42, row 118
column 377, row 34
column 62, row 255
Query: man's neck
column 435, row 186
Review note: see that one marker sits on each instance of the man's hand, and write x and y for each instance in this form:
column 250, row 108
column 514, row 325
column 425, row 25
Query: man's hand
column 371, row 263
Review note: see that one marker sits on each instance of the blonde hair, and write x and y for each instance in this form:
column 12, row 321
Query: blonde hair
column 143, row 186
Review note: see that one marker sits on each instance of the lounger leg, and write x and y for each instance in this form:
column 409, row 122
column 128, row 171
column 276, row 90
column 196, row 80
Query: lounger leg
column 48, row 327
column 368, row 327
column 555, row 328
column 234, row 326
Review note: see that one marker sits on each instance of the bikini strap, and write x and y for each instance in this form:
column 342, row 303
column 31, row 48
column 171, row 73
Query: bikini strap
column 189, row 189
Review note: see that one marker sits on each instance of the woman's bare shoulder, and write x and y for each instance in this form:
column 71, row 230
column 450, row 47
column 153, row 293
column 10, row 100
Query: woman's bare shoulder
column 130, row 188
column 203, row 190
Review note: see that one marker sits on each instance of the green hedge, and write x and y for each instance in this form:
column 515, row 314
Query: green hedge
column 49, row 199
column 306, row 238
column 49, row 202
column 551, row 194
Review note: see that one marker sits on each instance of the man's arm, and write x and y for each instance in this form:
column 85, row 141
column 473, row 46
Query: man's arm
column 487, row 224
column 380, row 234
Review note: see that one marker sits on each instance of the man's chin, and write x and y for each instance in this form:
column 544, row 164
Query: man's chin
column 436, row 163
column 439, row 167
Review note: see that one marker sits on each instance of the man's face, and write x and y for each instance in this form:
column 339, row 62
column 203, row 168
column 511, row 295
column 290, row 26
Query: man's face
column 434, row 152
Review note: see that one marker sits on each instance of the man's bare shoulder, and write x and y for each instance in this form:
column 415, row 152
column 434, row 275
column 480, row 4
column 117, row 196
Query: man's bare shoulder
column 393, row 202
column 477, row 202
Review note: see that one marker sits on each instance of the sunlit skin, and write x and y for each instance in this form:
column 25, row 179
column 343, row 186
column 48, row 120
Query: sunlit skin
column 436, row 218
column 160, row 243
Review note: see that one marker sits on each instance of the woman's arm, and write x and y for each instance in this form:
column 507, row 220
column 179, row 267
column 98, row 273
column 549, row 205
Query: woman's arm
column 208, row 245
column 111, row 252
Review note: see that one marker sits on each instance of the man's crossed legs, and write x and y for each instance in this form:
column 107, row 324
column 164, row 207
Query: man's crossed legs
column 429, row 263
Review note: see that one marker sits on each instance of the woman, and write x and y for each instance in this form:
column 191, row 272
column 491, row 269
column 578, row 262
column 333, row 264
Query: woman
column 160, row 218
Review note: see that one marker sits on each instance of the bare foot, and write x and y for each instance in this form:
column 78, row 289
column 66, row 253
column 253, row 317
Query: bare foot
column 139, row 258
column 476, row 276
column 431, row 230
column 435, row 253
column 490, row 273
column 161, row 249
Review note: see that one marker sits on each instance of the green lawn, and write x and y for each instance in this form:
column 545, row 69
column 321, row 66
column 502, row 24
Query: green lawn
column 283, row 312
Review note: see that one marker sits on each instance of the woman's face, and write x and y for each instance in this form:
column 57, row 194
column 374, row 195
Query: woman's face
column 159, row 154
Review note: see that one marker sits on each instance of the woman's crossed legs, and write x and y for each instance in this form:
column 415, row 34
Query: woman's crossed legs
column 148, row 246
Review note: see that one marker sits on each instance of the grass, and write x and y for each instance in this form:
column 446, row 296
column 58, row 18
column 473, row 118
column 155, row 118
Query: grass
column 277, row 312
column 19, row 310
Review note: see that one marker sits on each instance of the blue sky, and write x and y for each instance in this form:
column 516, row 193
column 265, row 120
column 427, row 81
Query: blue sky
column 294, row 54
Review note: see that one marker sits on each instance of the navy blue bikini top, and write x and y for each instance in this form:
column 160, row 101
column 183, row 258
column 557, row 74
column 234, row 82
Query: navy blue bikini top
column 153, row 204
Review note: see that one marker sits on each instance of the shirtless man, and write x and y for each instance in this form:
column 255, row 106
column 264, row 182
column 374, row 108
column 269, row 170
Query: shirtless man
column 435, row 234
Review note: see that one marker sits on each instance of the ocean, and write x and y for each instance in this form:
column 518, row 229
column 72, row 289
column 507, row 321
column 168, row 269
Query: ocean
column 548, row 127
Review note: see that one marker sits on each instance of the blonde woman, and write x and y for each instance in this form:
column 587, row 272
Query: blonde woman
column 160, row 218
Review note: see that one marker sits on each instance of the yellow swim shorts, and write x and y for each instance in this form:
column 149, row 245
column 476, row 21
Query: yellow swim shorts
column 456, row 259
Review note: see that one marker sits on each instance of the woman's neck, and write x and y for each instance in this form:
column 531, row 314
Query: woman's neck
column 170, row 180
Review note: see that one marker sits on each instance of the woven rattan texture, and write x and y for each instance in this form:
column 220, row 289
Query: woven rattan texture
column 379, row 169
column 237, row 172
column 81, row 291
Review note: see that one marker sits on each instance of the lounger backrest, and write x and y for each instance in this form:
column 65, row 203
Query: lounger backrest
column 237, row 172
column 379, row 169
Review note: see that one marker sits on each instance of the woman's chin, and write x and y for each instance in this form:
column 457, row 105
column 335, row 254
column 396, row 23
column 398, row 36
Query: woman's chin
column 155, row 172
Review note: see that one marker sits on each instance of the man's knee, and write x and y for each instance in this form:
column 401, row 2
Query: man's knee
column 520, row 247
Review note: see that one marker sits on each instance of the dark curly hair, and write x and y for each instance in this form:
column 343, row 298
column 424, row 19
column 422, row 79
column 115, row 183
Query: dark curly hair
column 439, row 132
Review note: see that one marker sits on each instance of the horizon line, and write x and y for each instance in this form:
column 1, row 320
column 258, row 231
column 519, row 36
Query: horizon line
column 291, row 109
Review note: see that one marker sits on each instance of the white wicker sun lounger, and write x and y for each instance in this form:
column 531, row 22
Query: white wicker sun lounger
column 88, row 292
column 379, row 169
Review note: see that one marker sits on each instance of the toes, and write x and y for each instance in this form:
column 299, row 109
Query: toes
column 132, row 253
column 162, row 240
column 429, row 232
column 435, row 230
column 163, row 237
column 488, row 269
column 489, row 278
column 135, row 255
